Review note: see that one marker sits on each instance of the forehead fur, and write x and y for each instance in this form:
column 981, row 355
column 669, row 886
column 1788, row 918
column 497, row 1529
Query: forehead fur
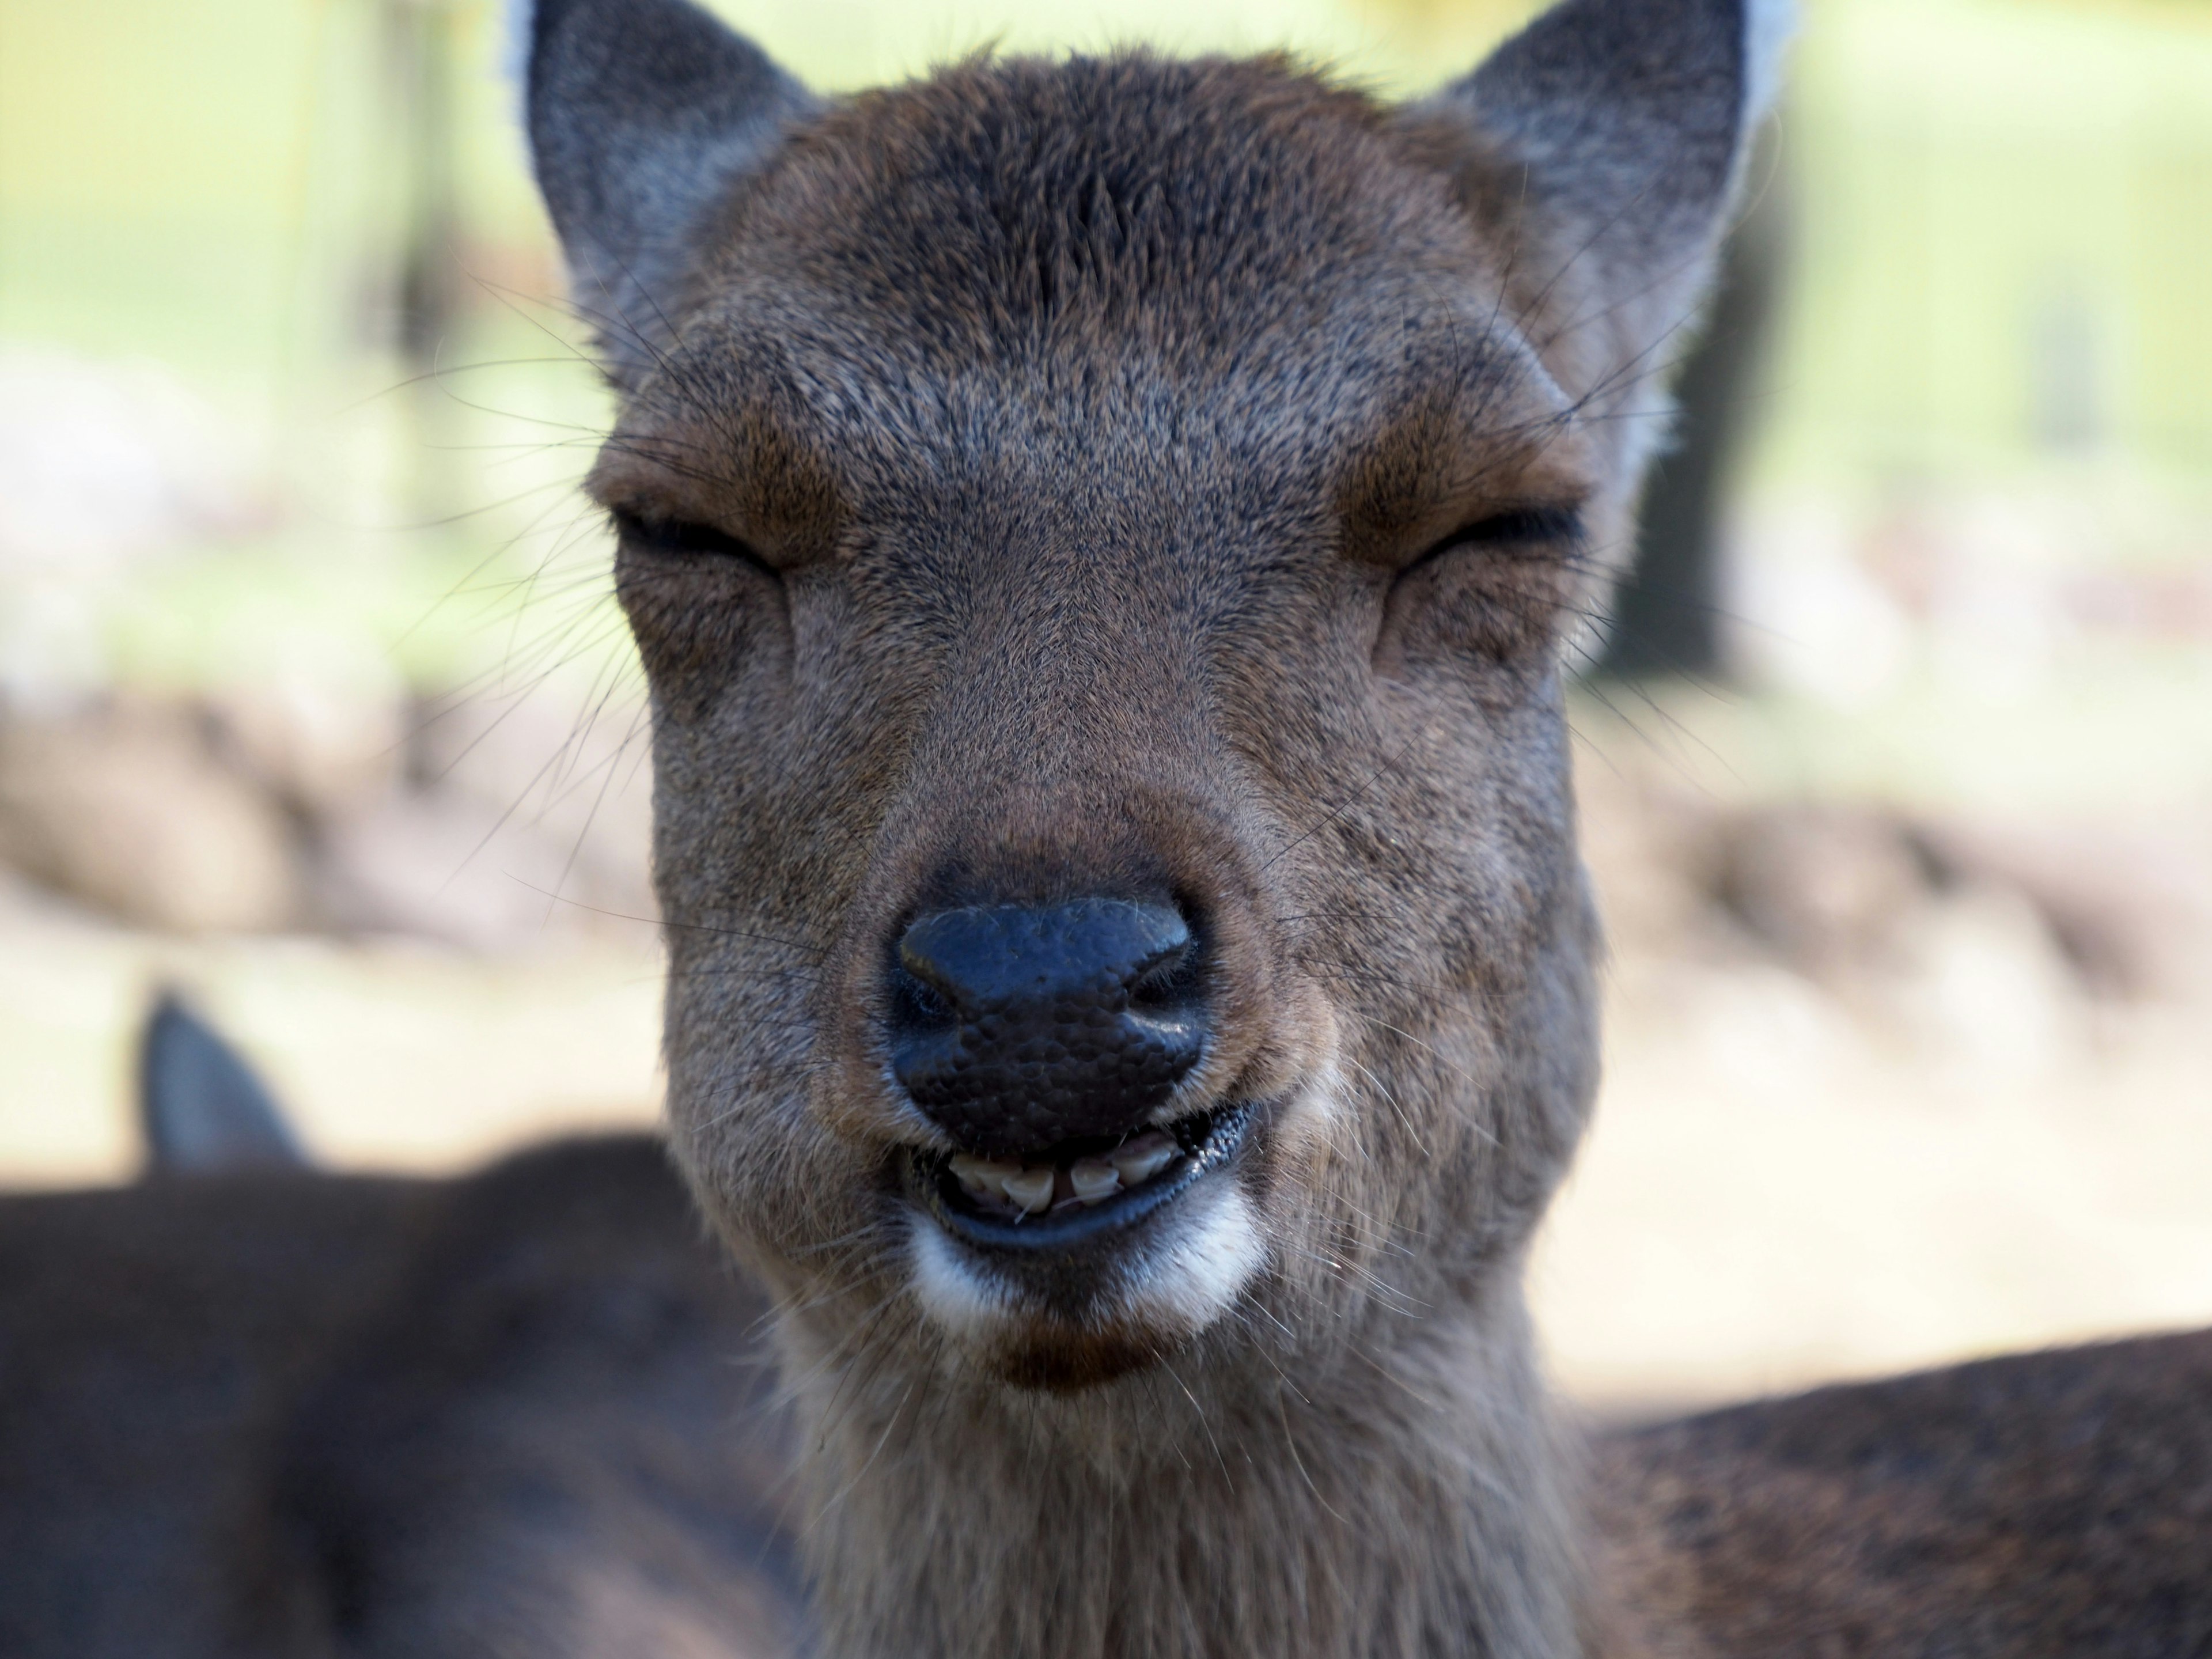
column 999, row 205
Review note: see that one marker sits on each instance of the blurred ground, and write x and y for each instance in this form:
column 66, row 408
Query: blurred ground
column 1890, row 1080
column 388, row 1055
column 1886, row 1085
column 365, row 892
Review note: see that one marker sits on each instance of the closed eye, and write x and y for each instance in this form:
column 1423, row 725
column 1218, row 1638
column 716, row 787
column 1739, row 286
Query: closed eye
column 681, row 538
column 1522, row 527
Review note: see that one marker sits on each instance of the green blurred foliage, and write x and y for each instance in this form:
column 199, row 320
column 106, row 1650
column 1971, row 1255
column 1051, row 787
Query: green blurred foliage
column 2004, row 207
column 2002, row 213
column 2005, row 237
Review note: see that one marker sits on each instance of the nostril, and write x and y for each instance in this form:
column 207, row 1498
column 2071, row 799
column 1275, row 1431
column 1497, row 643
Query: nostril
column 1171, row 981
column 917, row 1005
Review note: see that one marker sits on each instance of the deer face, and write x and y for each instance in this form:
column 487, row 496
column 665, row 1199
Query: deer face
column 1100, row 537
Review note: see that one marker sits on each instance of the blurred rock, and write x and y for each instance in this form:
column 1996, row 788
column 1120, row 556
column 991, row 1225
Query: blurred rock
column 122, row 805
column 2004, row 948
column 2130, row 903
column 517, row 818
column 1980, row 979
column 325, row 751
column 571, row 772
column 1648, row 843
column 1824, row 886
column 435, row 865
column 485, row 822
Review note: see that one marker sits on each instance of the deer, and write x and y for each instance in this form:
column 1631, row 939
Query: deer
column 1104, row 538
column 250, row 1407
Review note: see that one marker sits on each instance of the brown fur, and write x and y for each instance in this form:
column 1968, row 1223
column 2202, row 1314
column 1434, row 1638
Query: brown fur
column 2030, row 1507
column 306, row 1415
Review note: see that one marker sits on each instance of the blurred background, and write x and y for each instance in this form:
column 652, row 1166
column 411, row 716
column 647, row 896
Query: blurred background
column 1898, row 771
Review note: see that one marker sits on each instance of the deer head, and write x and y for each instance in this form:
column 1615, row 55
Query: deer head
column 1101, row 536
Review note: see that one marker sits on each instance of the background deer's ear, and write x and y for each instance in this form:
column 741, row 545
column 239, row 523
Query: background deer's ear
column 1617, row 129
column 642, row 114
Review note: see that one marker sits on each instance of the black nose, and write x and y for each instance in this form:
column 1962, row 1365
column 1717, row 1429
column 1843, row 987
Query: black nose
column 1018, row 1027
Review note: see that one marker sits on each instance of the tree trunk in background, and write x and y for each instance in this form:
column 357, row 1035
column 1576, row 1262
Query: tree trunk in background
column 1667, row 613
column 420, row 34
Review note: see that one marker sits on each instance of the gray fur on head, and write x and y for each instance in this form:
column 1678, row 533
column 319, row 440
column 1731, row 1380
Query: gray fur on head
column 642, row 114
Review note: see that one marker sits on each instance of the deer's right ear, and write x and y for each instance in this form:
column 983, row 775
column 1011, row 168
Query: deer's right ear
column 641, row 115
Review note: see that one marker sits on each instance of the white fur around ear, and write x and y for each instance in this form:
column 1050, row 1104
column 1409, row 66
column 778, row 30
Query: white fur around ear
column 1768, row 27
column 518, row 27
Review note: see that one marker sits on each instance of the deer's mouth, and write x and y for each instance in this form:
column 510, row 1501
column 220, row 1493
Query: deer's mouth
column 1080, row 1193
column 1051, row 1278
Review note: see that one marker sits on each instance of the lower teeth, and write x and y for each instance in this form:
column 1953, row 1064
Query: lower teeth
column 1034, row 1188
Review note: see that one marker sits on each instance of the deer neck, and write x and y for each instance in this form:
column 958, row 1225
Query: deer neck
column 1408, row 1497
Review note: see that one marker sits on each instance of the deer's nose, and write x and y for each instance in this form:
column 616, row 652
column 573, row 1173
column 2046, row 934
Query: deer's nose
column 1018, row 1027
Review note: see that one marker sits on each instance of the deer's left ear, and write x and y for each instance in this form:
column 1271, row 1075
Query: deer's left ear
column 1618, row 130
column 643, row 114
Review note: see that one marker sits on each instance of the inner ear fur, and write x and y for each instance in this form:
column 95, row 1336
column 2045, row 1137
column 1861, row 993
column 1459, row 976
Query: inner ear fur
column 1611, row 136
column 642, row 115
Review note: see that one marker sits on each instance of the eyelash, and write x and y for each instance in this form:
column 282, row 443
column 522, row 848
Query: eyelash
column 1519, row 528
column 683, row 538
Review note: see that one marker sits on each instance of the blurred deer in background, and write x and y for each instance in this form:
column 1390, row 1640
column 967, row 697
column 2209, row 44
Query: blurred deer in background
column 1101, row 536
column 249, row 1409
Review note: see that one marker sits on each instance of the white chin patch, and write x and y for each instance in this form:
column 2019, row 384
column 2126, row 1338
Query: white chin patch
column 957, row 1292
column 1192, row 1274
column 1188, row 1272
